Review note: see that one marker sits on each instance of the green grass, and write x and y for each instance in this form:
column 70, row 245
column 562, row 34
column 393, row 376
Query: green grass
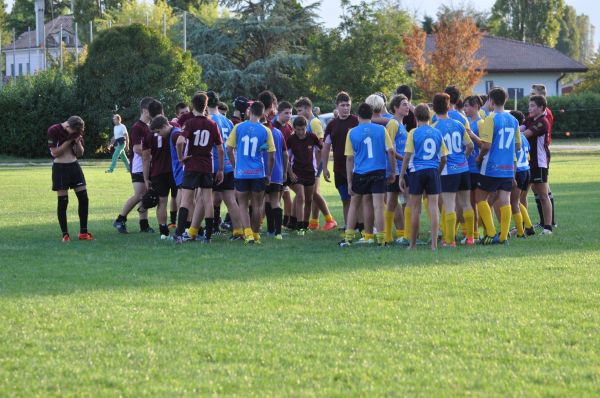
column 136, row 316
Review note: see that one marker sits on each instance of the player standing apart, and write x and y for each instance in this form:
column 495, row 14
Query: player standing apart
column 120, row 142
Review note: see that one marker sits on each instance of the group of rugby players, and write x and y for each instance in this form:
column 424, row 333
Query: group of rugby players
column 463, row 159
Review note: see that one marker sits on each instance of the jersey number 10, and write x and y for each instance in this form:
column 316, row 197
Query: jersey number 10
column 201, row 137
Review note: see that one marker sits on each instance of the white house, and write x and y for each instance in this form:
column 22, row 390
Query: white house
column 33, row 49
column 516, row 65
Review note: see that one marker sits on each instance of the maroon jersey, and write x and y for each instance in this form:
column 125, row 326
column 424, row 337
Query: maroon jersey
column 201, row 134
column 185, row 117
column 287, row 130
column 302, row 154
column 235, row 120
column 57, row 135
column 139, row 132
column 539, row 153
column 160, row 150
column 335, row 134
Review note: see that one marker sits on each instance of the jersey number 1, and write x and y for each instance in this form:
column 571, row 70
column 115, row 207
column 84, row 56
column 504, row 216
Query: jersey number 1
column 369, row 143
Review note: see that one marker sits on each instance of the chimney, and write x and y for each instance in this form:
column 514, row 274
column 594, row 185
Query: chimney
column 39, row 22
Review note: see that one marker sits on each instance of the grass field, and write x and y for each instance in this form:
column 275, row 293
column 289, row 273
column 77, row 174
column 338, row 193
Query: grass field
column 135, row 316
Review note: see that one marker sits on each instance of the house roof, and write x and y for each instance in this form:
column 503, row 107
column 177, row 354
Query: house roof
column 52, row 27
column 507, row 55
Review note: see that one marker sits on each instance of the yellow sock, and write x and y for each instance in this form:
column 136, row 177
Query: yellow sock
column 505, row 214
column 193, row 232
column 369, row 236
column 238, row 232
column 519, row 223
column 443, row 225
column 256, row 236
column 463, row 226
column 381, row 239
column 349, row 235
column 388, row 218
column 450, row 227
column 313, row 221
column 328, row 218
column 425, row 203
column 248, row 233
column 407, row 222
column 399, row 233
column 525, row 215
column 485, row 214
column 469, row 216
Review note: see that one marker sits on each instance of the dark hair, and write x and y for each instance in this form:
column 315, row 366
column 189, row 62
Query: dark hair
column 300, row 121
column 303, row 102
column 404, row 89
column 484, row 98
column 365, row 111
column 267, row 98
column 158, row 122
column 342, row 96
column 454, row 94
column 422, row 113
column 441, row 103
column 283, row 105
column 213, row 99
column 519, row 116
column 144, row 102
column 155, row 108
column 539, row 100
column 257, row 108
column 180, row 106
column 76, row 123
column 241, row 104
column 396, row 101
column 498, row 96
column 460, row 105
column 199, row 102
column 474, row 100
column 223, row 106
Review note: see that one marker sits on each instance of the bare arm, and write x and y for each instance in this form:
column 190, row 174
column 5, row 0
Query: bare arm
column 485, row 148
column 60, row 150
column 231, row 155
column 79, row 147
column 442, row 164
column 469, row 149
column 146, row 158
column 350, row 171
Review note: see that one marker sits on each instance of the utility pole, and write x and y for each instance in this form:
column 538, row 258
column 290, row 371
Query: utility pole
column 185, row 31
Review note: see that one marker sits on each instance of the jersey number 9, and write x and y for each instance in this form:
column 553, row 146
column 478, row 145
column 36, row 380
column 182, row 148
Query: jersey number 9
column 430, row 149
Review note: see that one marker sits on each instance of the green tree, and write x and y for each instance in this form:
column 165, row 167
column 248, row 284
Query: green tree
column 535, row 21
column 591, row 79
column 146, row 64
column 364, row 54
column 568, row 37
column 586, row 38
column 427, row 24
column 22, row 14
column 447, row 13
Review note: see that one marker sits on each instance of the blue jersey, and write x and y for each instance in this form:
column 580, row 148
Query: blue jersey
column 175, row 164
column 456, row 139
column 277, row 174
column 523, row 155
column 398, row 134
column 225, row 126
column 500, row 130
column 454, row 115
column 427, row 146
column 249, row 140
column 368, row 143
column 475, row 127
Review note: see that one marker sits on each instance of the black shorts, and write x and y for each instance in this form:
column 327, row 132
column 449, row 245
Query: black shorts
column 137, row 177
column 305, row 180
column 522, row 179
column 194, row 179
column 539, row 175
column 427, row 180
column 172, row 186
column 474, row 180
column 493, row 184
column 226, row 185
column 67, row 175
column 161, row 184
column 395, row 186
column 456, row 182
column 274, row 187
column 370, row 183
column 250, row 184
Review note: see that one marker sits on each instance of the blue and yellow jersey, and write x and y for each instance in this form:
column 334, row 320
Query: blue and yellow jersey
column 427, row 146
column 315, row 127
column 523, row 155
column 398, row 135
column 455, row 115
column 483, row 113
column 500, row 130
column 225, row 126
column 248, row 139
column 277, row 174
column 476, row 127
column 456, row 139
column 368, row 143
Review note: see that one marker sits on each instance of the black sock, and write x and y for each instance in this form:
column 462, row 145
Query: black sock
column 188, row 224
column 360, row 226
column 277, row 218
column 548, row 227
column 552, row 202
column 173, row 217
column 209, row 228
column 538, row 203
column 250, row 211
column 227, row 218
column 303, row 225
column 293, row 223
column 269, row 215
column 144, row 225
column 182, row 221
column 286, row 221
column 63, row 203
column 164, row 229
column 83, row 210
column 121, row 218
column 217, row 215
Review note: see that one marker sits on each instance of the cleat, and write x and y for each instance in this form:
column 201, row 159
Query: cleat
column 186, row 237
column 529, row 231
column 546, row 231
column 313, row 226
column 301, row 232
column 172, row 226
column 470, row 242
column 164, row 237
column 179, row 240
column 487, row 240
column 85, row 236
column 402, row 241
column 278, row 237
column 120, row 226
column 225, row 226
column 66, row 238
column 270, row 234
column 108, row 171
column 521, row 236
column 363, row 241
column 330, row 225
column 512, row 232
column 538, row 227
column 148, row 230
column 421, row 242
column 345, row 243
column 249, row 241
column 236, row 237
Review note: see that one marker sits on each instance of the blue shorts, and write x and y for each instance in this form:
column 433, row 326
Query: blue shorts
column 493, row 184
column 456, row 182
column 341, row 184
column 427, row 180
column 522, row 178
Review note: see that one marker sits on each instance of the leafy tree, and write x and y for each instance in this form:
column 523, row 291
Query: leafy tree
column 454, row 59
column 132, row 11
column 586, row 38
column 591, row 79
column 364, row 54
column 536, row 21
column 146, row 64
column 22, row 14
column 568, row 37
column 460, row 11
column 427, row 24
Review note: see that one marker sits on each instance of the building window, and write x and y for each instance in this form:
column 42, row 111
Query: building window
column 12, row 69
column 512, row 92
column 20, row 69
column 489, row 84
column 28, row 69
